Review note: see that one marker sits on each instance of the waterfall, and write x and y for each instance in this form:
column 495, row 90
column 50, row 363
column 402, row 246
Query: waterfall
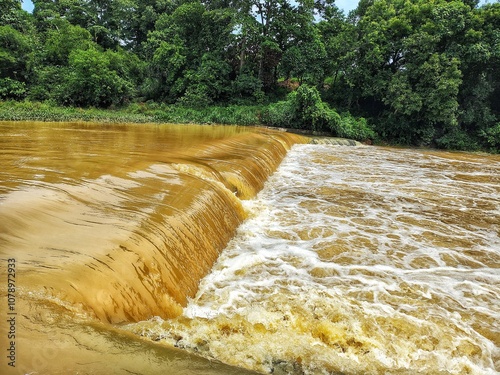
column 124, row 221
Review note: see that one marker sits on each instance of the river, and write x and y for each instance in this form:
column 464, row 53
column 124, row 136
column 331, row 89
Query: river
column 346, row 260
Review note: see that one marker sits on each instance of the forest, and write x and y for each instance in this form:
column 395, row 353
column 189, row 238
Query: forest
column 408, row 72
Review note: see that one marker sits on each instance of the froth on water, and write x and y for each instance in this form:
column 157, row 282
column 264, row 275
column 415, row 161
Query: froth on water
column 357, row 261
column 116, row 223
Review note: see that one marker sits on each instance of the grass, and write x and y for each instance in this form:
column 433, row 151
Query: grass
column 135, row 113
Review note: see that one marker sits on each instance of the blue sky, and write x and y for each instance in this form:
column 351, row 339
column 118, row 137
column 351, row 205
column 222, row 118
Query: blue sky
column 345, row 5
column 27, row 5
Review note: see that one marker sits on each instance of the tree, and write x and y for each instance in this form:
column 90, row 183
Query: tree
column 94, row 79
column 60, row 42
column 15, row 49
column 305, row 60
column 109, row 21
column 52, row 14
column 12, row 14
column 112, row 23
column 188, row 49
column 403, row 71
column 480, row 56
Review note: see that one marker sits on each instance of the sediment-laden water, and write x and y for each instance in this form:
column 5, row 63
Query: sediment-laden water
column 357, row 260
column 109, row 224
column 350, row 260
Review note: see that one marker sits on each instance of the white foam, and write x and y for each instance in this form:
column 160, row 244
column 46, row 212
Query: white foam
column 361, row 260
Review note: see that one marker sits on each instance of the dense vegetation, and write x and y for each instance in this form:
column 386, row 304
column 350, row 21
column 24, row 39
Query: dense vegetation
column 422, row 72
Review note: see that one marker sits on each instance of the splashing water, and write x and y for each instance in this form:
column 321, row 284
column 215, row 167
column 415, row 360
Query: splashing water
column 116, row 223
column 357, row 260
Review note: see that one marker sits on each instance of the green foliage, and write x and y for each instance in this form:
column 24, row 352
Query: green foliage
column 136, row 113
column 10, row 88
column 304, row 109
column 11, row 14
column 59, row 43
column 168, row 65
column 247, row 87
column 402, row 67
column 491, row 137
column 9, row 6
column 49, row 111
column 188, row 52
column 311, row 112
column 93, row 80
column 457, row 139
column 353, row 128
column 281, row 114
column 230, row 115
column 14, row 50
column 209, row 83
column 304, row 60
column 48, row 83
column 422, row 73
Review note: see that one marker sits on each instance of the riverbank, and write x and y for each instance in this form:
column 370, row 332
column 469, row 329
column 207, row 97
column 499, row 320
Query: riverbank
column 342, row 125
column 272, row 115
column 133, row 113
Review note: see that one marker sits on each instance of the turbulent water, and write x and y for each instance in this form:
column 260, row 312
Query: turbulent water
column 357, row 261
column 103, row 225
column 350, row 260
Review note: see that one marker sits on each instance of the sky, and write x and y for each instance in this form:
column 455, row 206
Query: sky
column 345, row 5
column 27, row 5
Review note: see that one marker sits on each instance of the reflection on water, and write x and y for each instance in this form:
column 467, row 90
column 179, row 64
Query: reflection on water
column 357, row 261
column 114, row 224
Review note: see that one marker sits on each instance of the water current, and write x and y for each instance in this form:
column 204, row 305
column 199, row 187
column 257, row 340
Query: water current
column 357, row 260
column 102, row 225
column 350, row 260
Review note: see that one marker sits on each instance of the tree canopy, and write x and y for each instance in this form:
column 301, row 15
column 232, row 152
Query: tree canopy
column 421, row 72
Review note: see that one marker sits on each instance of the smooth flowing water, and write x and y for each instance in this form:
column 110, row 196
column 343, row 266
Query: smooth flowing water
column 357, row 260
column 350, row 260
column 107, row 224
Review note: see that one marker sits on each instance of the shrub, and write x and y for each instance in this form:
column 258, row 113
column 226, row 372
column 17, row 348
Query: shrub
column 491, row 136
column 10, row 88
column 457, row 139
column 352, row 128
column 247, row 87
column 280, row 114
column 303, row 109
column 312, row 113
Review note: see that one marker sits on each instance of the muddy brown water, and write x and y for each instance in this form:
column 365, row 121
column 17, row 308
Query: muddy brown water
column 177, row 249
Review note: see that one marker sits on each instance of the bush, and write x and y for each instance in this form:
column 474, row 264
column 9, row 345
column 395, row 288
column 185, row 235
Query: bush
column 231, row 115
column 457, row 139
column 311, row 111
column 247, row 87
column 491, row 137
column 280, row 114
column 49, row 84
column 303, row 109
column 93, row 81
column 10, row 88
column 353, row 128
column 49, row 111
